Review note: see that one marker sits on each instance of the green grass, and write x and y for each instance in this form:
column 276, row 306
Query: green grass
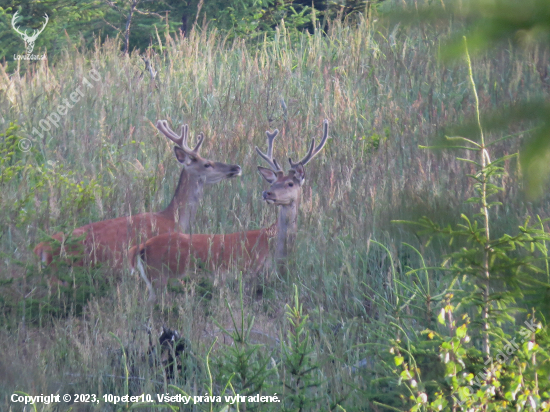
column 384, row 93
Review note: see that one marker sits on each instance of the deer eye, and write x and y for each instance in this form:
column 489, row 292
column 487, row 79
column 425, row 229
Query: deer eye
column 207, row 165
column 291, row 184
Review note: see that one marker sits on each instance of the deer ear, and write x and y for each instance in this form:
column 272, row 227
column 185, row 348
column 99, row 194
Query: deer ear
column 267, row 174
column 299, row 173
column 182, row 156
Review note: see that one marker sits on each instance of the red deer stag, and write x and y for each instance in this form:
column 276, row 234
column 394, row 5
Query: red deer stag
column 108, row 239
column 171, row 253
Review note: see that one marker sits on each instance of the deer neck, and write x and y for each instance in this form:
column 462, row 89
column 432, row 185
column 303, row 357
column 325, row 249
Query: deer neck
column 183, row 207
column 287, row 227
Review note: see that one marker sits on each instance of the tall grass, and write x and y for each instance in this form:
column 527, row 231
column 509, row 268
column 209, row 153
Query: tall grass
column 384, row 92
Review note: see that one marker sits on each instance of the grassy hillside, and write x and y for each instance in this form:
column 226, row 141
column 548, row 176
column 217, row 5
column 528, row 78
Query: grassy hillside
column 384, row 93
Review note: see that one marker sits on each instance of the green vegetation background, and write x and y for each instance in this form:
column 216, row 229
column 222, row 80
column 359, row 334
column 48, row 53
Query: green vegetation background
column 83, row 22
column 375, row 315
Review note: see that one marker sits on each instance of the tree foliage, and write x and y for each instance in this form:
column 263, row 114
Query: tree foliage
column 487, row 364
column 489, row 23
column 137, row 23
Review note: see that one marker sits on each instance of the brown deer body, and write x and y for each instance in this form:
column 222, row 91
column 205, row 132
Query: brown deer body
column 174, row 253
column 107, row 240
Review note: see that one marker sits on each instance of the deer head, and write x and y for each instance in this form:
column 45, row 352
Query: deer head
column 197, row 172
column 29, row 40
column 206, row 171
column 285, row 189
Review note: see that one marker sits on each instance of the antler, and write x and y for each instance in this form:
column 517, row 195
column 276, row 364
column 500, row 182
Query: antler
column 35, row 32
column 313, row 152
column 268, row 157
column 13, row 20
column 181, row 140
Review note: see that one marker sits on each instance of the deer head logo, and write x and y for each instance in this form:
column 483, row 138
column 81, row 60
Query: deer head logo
column 29, row 40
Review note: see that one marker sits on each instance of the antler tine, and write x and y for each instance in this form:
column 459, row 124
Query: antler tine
column 183, row 136
column 311, row 153
column 268, row 157
column 36, row 32
column 199, row 143
column 13, row 22
column 180, row 140
column 162, row 126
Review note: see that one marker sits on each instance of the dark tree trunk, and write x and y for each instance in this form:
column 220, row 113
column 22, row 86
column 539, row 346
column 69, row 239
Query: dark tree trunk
column 183, row 27
column 128, row 24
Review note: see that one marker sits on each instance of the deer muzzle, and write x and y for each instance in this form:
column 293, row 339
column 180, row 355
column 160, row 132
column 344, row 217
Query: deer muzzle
column 235, row 171
column 268, row 197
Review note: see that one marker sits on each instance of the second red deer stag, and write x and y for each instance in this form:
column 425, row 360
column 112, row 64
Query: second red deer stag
column 172, row 253
column 107, row 240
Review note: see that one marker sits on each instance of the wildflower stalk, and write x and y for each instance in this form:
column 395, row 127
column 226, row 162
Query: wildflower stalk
column 485, row 161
